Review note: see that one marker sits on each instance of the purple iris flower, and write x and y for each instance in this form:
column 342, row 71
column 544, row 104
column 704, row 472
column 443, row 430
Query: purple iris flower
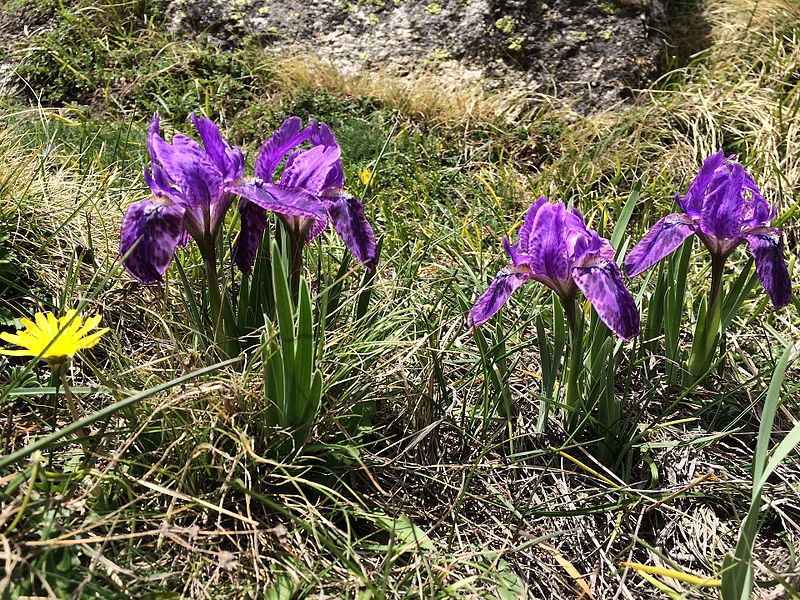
column 724, row 208
column 557, row 249
column 315, row 173
column 193, row 187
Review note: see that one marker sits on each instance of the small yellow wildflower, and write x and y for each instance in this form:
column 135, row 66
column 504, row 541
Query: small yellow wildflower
column 365, row 175
column 75, row 335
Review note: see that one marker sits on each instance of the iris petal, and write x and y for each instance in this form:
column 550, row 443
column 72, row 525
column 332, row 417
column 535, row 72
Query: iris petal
column 317, row 228
column 282, row 141
column 190, row 169
column 281, row 199
column 723, row 205
column 547, row 245
column 253, row 222
column 602, row 284
column 692, row 202
column 321, row 134
column 158, row 228
column 316, row 170
column 766, row 246
column 527, row 226
column 229, row 161
column 664, row 238
column 347, row 215
column 504, row 284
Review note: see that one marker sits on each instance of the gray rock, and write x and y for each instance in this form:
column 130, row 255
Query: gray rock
column 590, row 53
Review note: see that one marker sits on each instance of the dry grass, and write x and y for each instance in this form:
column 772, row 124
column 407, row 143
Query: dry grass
column 421, row 96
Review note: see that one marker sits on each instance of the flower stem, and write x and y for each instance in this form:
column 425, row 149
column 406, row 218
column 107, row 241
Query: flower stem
column 705, row 343
column 715, row 298
column 73, row 408
column 214, row 296
column 54, row 383
column 297, row 242
column 572, row 401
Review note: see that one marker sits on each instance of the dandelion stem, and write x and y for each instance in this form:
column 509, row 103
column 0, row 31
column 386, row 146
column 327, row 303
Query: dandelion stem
column 73, row 408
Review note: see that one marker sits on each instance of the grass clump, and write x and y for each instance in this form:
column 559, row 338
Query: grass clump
column 117, row 59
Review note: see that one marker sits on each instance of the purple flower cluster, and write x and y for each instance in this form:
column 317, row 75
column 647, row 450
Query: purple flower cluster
column 557, row 249
column 722, row 206
column 316, row 178
column 194, row 185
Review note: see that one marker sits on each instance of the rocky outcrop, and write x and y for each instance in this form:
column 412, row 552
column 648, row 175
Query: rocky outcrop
column 591, row 52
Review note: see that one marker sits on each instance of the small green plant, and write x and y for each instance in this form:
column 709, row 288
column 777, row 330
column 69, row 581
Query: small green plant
column 507, row 25
column 515, row 43
column 434, row 8
column 607, row 8
column 439, row 55
column 292, row 382
column 579, row 36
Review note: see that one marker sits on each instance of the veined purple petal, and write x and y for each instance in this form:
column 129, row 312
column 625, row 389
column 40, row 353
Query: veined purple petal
column 335, row 178
column 153, row 132
column 347, row 215
column 505, row 283
column 766, row 246
column 316, row 170
column 289, row 135
column 229, row 161
column 602, row 284
column 191, row 170
column 158, row 182
column 316, row 230
column 158, row 227
column 253, row 221
column 527, row 226
column 582, row 243
column 664, row 238
column 721, row 217
column 513, row 252
column 757, row 211
column 321, row 135
column 692, row 202
column 281, row 199
column 547, row 245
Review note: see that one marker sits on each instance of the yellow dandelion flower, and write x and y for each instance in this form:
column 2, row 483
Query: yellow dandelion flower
column 365, row 175
column 55, row 340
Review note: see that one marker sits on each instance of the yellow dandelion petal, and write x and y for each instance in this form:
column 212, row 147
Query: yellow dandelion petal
column 54, row 339
column 9, row 352
column 52, row 322
column 91, row 340
column 42, row 323
column 70, row 321
column 365, row 175
column 11, row 338
column 91, row 323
